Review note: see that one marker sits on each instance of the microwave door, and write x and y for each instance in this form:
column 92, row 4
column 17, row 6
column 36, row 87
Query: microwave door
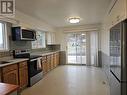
column 27, row 35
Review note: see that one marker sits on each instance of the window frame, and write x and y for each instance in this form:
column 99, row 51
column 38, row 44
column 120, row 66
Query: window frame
column 5, row 37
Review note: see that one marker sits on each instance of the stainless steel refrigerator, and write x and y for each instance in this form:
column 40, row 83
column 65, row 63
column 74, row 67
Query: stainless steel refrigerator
column 118, row 59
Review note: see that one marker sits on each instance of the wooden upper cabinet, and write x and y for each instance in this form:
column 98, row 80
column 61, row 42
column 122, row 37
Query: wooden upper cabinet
column 10, row 74
column 118, row 12
column 23, row 74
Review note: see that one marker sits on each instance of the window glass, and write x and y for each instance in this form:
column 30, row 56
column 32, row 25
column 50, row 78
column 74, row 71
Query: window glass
column 3, row 37
column 40, row 42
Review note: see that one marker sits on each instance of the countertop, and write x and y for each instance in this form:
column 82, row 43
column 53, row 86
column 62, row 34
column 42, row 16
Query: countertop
column 6, row 89
column 13, row 61
column 44, row 53
column 17, row 60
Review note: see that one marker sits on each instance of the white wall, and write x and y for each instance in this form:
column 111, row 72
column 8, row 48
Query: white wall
column 105, row 41
column 105, row 35
column 28, row 22
column 61, row 33
column 60, row 38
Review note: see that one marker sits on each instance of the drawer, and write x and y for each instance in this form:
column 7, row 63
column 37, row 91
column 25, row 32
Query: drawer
column 9, row 68
column 22, row 64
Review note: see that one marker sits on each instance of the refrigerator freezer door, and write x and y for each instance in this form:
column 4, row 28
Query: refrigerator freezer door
column 115, row 87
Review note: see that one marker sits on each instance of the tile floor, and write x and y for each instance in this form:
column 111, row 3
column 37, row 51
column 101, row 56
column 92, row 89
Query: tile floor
column 71, row 80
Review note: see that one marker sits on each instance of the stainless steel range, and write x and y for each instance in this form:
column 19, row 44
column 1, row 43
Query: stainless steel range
column 35, row 72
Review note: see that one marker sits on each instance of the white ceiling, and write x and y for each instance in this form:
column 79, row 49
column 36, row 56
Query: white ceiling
column 56, row 12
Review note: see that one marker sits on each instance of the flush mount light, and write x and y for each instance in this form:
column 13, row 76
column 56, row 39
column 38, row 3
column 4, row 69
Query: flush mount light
column 74, row 20
column 83, row 34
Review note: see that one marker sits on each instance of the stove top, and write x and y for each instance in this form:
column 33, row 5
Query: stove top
column 34, row 56
column 24, row 54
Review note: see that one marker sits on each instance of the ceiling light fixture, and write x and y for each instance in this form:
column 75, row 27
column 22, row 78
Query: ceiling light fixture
column 83, row 34
column 74, row 19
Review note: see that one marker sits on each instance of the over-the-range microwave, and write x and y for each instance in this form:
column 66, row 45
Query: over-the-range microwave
column 19, row 34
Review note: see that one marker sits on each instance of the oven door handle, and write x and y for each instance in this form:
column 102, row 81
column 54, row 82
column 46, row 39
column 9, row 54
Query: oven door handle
column 33, row 60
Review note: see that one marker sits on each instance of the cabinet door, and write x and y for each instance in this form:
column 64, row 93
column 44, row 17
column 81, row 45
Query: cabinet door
column 57, row 59
column 49, row 63
column 52, row 61
column 50, row 38
column 44, row 66
column 11, row 77
column 23, row 77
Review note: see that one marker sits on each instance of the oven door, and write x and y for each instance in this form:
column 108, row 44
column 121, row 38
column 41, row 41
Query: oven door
column 35, row 67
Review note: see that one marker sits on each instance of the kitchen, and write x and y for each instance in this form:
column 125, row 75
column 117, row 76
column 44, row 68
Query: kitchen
column 63, row 47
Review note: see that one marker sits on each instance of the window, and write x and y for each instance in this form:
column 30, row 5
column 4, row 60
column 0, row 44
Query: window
column 3, row 37
column 40, row 42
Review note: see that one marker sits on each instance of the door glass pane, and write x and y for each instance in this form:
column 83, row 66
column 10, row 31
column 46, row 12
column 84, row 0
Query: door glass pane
column 79, row 49
column 71, row 45
column 76, row 48
column 83, row 48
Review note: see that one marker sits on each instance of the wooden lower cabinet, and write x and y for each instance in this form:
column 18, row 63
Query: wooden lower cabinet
column 11, row 77
column 44, row 65
column 23, row 75
column 16, row 74
column 48, row 63
column 57, row 59
column 52, row 61
column 44, row 68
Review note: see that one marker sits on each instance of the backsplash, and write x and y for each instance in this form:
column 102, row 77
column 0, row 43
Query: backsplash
column 16, row 44
column 53, row 47
column 39, row 50
column 5, row 54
